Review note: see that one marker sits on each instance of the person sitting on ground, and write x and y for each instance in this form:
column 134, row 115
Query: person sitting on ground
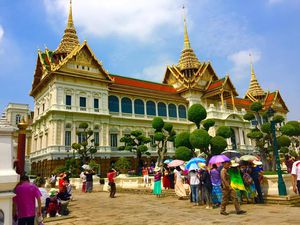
column 63, row 194
column 52, row 204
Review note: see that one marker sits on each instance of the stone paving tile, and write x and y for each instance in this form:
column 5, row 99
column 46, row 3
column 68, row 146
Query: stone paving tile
column 98, row 209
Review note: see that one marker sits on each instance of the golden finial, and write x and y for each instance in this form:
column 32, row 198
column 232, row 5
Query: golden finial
column 70, row 39
column 186, row 36
column 188, row 59
column 254, row 89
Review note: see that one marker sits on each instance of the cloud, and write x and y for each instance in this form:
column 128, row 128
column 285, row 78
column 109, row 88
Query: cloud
column 241, row 62
column 138, row 19
column 1, row 37
column 156, row 71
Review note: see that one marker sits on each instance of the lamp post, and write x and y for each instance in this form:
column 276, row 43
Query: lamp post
column 281, row 184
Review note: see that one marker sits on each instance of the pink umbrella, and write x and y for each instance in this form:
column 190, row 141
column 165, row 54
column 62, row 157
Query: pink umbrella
column 218, row 159
column 175, row 163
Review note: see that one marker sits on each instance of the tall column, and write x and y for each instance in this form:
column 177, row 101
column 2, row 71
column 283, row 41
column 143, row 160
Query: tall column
column 8, row 176
column 21, row 146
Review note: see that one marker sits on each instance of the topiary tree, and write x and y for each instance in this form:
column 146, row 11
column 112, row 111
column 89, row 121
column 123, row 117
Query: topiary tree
column 86, row 147
column 183, row 139
column 199, row 138
column 183, row 153
column 224, row 132
column 263, row 135
column 292, row 130
column 218, row 144
column 136, row 142
column 163, row 134
column 208, row 123
column 196, row 114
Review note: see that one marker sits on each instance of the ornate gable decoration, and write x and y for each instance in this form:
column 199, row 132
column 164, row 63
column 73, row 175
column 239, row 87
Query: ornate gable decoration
column 275, row 101
column 83, row 61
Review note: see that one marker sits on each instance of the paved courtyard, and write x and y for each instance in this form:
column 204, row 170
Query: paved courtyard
column 134, row 209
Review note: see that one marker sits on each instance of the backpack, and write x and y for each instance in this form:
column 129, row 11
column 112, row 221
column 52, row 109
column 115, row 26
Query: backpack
column 247, row 179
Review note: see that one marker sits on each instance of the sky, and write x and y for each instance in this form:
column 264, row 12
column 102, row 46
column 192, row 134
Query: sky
column 139, row 38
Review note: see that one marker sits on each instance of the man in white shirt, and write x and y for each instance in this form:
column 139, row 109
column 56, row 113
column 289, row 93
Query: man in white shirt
column 296, row 176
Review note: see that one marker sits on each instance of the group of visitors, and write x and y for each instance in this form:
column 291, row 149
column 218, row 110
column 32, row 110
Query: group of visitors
column 215, row 185
column 33, row 202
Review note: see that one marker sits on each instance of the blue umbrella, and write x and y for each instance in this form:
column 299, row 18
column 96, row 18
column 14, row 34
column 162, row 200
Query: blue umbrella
column 194, row 160
column 168, row 161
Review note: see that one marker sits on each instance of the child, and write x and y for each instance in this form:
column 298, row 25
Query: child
column 52, row 204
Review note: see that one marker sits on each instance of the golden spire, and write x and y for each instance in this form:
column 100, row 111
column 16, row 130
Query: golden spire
column 254, row 88
column 188, row 59
column 70, row 39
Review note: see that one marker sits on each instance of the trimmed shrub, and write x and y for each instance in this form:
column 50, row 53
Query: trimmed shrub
column 199, row 139
column 158, row 123
column 218, row 145
column 183, row 153
column 196, row 114
column 183, row 139
column 224, row 132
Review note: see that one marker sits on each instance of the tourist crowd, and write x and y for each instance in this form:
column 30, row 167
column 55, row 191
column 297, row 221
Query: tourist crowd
column 212, row 186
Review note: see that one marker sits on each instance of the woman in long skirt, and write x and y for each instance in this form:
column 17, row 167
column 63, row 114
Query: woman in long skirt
column 216, row 186
column 157, row 182
column 179, row 188
column 166, row 179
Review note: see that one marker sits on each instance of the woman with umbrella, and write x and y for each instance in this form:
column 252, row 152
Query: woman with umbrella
column 194, row 179
column 179, row 188
column 216, row 186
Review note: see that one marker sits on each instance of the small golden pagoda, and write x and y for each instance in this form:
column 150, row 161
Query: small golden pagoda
column 70, row 39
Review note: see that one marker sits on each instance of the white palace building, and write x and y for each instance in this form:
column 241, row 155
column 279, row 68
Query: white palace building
column 70, row 86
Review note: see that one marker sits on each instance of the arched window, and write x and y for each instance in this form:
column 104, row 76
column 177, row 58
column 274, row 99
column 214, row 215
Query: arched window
column 113, row 103
column 151, row 109
column 172, row 110
column 182, row 111
column 162, row 109
column 139, row 107
column 126, row 105
column 18, row 118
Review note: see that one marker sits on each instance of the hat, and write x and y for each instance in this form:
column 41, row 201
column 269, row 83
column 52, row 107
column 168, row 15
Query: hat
column 156, row 169
column 234, row 163
column 182, row 167
column 258, row 163
column 52, row 192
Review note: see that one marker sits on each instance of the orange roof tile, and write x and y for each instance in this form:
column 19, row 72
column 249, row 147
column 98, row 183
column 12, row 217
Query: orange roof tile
column 240, row 101
column 270, row 97
column 142, row 84
column 215, row 84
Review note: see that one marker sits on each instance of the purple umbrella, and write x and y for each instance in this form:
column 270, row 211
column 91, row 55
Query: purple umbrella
column 218, row 159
